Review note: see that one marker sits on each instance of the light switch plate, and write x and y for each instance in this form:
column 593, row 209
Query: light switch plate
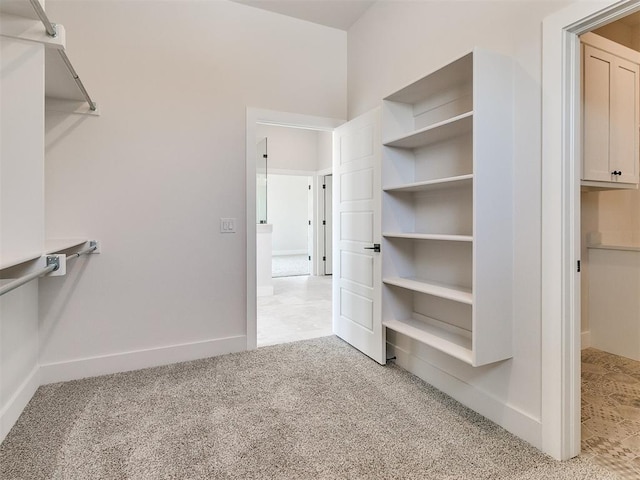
column 227, row 225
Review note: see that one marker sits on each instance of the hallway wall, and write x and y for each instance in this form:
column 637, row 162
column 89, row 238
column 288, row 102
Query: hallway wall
column 394, row 44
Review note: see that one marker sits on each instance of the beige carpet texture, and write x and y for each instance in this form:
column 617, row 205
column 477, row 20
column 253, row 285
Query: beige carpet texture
column 315, row 409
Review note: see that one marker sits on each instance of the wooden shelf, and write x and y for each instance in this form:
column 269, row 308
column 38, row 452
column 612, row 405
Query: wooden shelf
column 429, row 236
column 51, row 246
column 457, row 294
column 446, row 338
column 54, row 245
column 437, row 132
column 442, row 78
column 13, row 261
column 428, row 185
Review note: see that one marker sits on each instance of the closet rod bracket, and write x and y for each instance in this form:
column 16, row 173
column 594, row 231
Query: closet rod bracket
column 59, row 263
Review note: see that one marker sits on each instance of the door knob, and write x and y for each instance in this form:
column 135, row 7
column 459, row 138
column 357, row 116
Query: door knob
column 375, row 248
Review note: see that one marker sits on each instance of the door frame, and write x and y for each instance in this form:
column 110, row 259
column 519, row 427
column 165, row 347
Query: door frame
column 254, row 117
column 560, row 289
column 320, row 214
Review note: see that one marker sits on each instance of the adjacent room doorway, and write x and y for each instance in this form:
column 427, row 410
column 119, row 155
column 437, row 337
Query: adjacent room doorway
column 294, row 233
column 561, row 210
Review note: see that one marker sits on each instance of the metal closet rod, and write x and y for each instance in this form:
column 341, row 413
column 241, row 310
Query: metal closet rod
column 53, row 263
column 51, row 31
column 92, row 246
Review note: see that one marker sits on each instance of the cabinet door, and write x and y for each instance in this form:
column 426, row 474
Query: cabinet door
column 624, row 121
column 596, row 111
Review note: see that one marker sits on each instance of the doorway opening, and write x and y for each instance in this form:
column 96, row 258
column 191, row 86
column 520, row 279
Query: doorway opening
column 562, row 262
column 293, row 230
column 610, row 244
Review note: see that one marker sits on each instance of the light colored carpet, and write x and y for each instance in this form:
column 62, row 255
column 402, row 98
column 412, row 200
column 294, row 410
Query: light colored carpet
column 289, row 265
column 310, row 409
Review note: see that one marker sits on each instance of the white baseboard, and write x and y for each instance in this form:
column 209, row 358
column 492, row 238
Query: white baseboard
column 278, row 253
column 153, row 357
column 585, row 339
column 17, row 403
column 510, row 418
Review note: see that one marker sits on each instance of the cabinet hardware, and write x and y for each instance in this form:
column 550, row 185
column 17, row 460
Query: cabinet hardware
column 375, row 248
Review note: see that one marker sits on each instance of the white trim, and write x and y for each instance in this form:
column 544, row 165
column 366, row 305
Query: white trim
column 560, row 342
column 31, row 30
column 267, row 117
column 610, row 46
column 18, row 402
column 294, row 120
column 585, row 340
column 324, row 172
column 265, row 291
column 281, row 253
column 510, row 418
column 136, row 360
column 285, row 171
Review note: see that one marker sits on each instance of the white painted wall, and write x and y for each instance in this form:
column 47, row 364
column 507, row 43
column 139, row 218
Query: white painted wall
column 21, row 217
column 325, row 150
column 396, row 43
column 619, row 214
column 588, row 224
column 152, row 175
column 290, row 148
column 287, row 211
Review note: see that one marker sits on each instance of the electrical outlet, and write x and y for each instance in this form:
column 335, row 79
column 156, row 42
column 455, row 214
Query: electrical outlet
column 227, row 225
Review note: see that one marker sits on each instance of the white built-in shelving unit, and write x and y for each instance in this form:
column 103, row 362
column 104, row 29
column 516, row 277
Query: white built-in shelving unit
column 447, row 209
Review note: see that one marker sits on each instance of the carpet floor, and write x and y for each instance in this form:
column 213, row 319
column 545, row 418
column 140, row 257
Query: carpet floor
column 309, row 409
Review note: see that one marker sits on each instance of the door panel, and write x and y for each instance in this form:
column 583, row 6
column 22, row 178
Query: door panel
column 597, row 65
column 356, row 226
column 356, row 267
column 624, row 121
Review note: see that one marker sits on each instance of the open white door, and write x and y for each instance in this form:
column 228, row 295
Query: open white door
column 356, row 265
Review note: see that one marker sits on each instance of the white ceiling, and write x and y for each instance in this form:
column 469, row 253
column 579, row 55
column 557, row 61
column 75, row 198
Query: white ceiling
column 339, row 14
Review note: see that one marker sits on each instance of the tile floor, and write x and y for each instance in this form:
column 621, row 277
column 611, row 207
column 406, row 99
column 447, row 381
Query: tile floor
column 611, row 411
column 290, row 265
column 299, row 309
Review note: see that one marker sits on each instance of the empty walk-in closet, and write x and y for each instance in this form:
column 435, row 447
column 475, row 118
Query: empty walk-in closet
column 157, row 156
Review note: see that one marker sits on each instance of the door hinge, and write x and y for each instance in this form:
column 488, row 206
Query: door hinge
column 309, row 257
column 324, row 259
column 578, row 266
column 324, row 186
column 309, row 222
column 309, row 187
column 324, row 222
column 264, row 155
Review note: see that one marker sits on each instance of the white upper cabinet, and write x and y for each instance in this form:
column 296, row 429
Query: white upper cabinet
column 611, row 113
